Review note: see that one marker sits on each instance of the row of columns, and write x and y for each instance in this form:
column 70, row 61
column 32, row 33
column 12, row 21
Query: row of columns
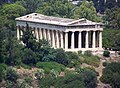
column 59, row 39
column 94, row 40
column 55, row 37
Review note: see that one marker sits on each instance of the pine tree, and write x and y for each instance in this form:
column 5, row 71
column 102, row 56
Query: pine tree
column 28, row 38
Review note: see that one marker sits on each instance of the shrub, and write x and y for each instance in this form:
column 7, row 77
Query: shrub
column 87, row 53
column 61, row 57
column 47, row 82
column 47, row 66
column 29, row 57
column 25, row 66
column 2, row 71
column 106, row 53
column 105, row 64
column 70, row 81
column 72, row 55
column 79, row 52
column 83, row 79
column 89, row 78
column 28, row 80
column 74, row 59
column 111, row 74
column 91, row 60
column 39, row 74
column 11, row 75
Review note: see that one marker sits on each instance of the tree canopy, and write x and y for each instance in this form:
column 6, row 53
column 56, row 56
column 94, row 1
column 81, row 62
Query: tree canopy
column 87, row 10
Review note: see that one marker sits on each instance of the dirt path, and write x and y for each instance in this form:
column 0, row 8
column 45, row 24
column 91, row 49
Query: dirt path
column 100, row 71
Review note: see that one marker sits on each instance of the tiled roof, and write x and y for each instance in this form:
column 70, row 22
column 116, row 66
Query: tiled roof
column 39, row 18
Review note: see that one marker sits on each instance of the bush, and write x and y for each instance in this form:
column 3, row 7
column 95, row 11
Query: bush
column 79, row 52
column 29, row 57
column 111, row 74
column 74, row 59
column 89, row 78
column 39, row 74
column 48, row 66
column 70, row 81
column 87, row 53
column 106, row 53
column 61, row 57
column 105, row 64
column 91, row 60
column 72, row 55
column 47, row 82
column 28, row 80
column 25, row 66
column 11, row 75
column 84, row 79
column 2, row 71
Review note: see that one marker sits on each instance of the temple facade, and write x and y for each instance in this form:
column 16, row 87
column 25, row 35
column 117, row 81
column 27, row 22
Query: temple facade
column 69, row 34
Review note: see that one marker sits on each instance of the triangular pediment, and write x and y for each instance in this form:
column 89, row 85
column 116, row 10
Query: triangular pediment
column 80, row 21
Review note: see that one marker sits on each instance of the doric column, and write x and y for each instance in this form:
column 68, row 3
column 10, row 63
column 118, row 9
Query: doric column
column 44, row 33
column 97, row 38
column 40, row 33
column 72, row 41
column 21, row 33
column 61, row 36
column 36, row 34
column 93, row 40
column 18, row 33
column 100, row 39
column 33, row 31
column 49, row 39
column 53, row 39
column 57, row 35
column 66, row 40
column 86, row 44
column 79, row 40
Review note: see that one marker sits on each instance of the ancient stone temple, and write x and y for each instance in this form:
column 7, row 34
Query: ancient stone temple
column 69, row 34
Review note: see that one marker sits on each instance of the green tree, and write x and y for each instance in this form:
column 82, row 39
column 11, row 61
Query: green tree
column 111, row 39
column 30, row 5
column 28, row 38
column 113, row 18
column 59, row 8
column 88, row 11
column 11, row 11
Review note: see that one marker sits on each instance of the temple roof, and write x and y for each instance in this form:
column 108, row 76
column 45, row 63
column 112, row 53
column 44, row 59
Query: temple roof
column 40, row 18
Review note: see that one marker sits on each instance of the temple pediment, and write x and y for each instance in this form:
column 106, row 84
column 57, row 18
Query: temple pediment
column 80, row 21
column 40, row 18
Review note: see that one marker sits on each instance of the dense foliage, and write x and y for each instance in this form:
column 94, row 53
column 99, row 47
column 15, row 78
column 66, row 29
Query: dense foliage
column 111, row 39
column 84, row 79
column 48, row 66
column 111, row 74
column 106, row 53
